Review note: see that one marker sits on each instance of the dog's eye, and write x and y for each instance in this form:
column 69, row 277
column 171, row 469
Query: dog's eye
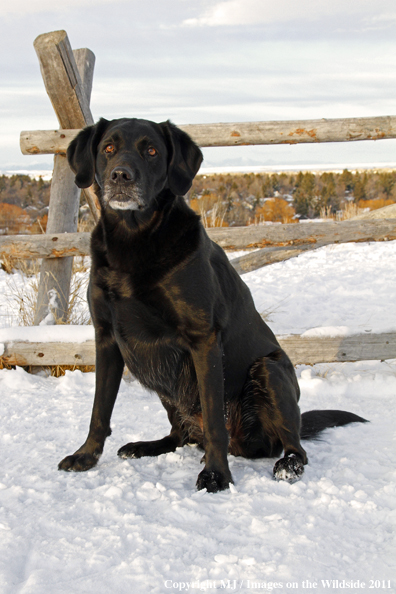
column 152, row 151
column 109, row 148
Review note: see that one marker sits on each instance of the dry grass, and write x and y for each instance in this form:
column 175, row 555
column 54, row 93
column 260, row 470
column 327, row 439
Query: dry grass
column 267, row 313
column 349, row 211
column 5, row 365
column 52, row 370
column 60, row 370
column 78, row 312
column 211, row 209
column 22, row 291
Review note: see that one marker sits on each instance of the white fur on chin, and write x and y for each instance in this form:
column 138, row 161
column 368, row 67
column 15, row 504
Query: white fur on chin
column 121, row 205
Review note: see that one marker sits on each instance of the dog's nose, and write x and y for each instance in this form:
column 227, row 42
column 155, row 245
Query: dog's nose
column 122, row 174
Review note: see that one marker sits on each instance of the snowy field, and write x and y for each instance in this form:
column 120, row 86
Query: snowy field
column 139, row 526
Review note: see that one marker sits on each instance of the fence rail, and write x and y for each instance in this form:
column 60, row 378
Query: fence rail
column 301, row 349
column 41, row 142
column 278, row 242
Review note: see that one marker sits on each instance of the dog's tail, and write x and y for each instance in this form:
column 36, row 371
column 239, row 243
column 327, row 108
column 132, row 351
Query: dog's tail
column 316, row 421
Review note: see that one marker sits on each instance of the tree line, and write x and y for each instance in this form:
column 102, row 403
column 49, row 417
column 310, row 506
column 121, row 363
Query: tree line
column 225, row 199
column 241, row 199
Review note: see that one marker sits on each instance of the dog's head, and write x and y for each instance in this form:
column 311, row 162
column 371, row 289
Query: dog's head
column 133, row 160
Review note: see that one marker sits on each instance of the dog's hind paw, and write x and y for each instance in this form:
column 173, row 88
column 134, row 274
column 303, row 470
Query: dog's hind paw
column 78, row 462
column 213, row 481
column 289, row 469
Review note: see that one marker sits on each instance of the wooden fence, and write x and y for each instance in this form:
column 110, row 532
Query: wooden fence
column 36, row 349
column 277, row 242
column 68, row 76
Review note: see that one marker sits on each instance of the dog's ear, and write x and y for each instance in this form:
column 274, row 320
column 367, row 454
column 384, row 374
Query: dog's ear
column 81, row 153
column 184, row 160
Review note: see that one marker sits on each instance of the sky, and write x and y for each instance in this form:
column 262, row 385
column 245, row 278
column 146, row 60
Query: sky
column 197, row 61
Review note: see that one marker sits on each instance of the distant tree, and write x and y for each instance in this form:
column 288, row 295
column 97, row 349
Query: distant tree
column 329, row 199
column 276, row 210
column 359, row 187
column 346, row 178
column 266, row 187
column 386, row 182
column 275, row 182
column 304, row 195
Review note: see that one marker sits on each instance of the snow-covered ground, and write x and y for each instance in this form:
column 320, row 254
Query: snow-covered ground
column 140, row 526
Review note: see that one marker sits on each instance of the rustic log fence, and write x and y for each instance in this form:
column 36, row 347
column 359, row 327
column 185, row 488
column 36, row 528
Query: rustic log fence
column 36, row 349
column 277, row 242
column 68, row 76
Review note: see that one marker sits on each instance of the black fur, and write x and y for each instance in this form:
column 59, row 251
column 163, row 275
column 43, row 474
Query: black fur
column 316, row 421
column 166, row 302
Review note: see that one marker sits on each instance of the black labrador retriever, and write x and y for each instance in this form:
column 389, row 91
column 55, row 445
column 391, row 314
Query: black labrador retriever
column 166, row 302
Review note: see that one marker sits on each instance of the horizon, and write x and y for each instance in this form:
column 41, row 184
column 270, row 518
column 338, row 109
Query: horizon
column 46, row 174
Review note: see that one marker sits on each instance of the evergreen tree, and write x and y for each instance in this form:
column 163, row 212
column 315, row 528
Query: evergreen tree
column 304, row 195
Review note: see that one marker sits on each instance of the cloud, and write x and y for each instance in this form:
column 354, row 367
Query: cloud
column 250, row 12
column 26, row 7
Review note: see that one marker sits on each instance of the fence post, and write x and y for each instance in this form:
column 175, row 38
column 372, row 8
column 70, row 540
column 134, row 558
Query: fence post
column 68, row 88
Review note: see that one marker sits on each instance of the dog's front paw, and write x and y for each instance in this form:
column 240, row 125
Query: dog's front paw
column 213, row 481
column 137, row 449
column 78, row 462
column 289, row 469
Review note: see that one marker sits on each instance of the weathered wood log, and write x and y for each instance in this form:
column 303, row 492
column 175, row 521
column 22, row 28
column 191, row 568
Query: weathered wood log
column 328, row 349
column 66, row 88
column 259, row 236
column 295, row 247
column 243, row 133
column 301, row 350
column 63, row 80
column 49, row 353
column 55, row 275
column 46, row 142
column 85, row 61
column 55, row 245
column 272, row 255
column 283, row 241
column 293, row 132
column 93, row 202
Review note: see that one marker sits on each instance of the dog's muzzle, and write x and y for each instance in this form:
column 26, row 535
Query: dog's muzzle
column 122, row 191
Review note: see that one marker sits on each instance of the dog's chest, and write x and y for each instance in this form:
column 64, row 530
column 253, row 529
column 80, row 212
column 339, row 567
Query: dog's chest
column 140, row 312
column 152, row 333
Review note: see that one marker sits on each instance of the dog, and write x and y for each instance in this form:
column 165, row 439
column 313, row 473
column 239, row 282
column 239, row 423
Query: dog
column 166, row 302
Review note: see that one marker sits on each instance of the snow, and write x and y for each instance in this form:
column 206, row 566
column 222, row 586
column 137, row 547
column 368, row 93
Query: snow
column 140, row 526
column 61, row 333
column 53, row 303
column 328, row 331
column 349, row 288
